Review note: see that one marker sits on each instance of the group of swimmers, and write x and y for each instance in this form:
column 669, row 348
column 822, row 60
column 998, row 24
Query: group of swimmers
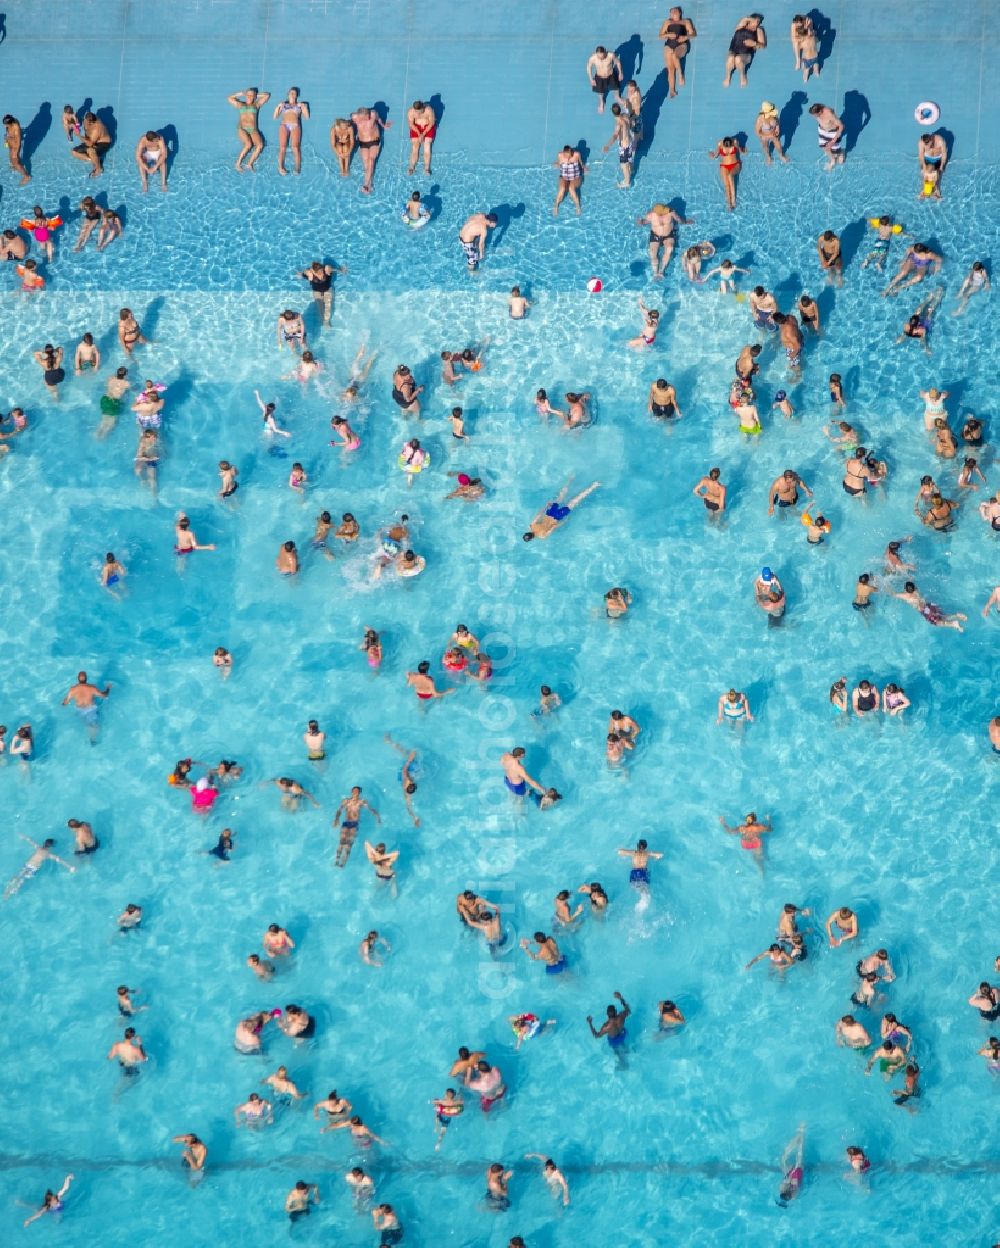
column 464, row 656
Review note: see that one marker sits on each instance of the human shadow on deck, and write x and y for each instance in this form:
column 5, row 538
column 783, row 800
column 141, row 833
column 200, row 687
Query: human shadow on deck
column 790, row 116
column 33, row 133
column 630, row 55
column 856, row 115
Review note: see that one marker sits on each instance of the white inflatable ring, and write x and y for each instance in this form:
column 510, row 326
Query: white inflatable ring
column 926, row 113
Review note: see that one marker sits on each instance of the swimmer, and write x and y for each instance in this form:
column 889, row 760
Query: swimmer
column 517, row 304
column 195, row 1153
column 769, row 594
column 850, row 1034
column 112, row 572
column 372, row 645
column 223, row 849
column 556, row 512
column 784, row 491
column 303, row 1195
column 791, row 1165
column 909, row 1091
column 860, row 1165
column 41, row 854
column 52, row 1202
column 307, row 368
column 335, row 1106
column 362, row 1185
column 651, row 322
column 263, row 969
column 297, row 479
column 361, row 1136
column 571, row 168
column 894, row 701
column 987, row 1001
column 728, row 152
column 977, row 281
column 84, row 697
column 446, row 1108
column 254, row 1112
column 750, row 831
column 277, row 942
column 290, row 332
column 547, row 952
column 563, row 915
column 845, row 921
column 625, row 726
column 669, row 1017
column 553, row 1176
column 287, row 559
column 918, row 326
column 830, row 258
column 270, row 424
column 614, row 1029
column 791, row 339
column 314, row 740
column 384, row 864
column 487, row 1081
column 879, row 965
column 662, row 401
column 787, row 927
column 712, row 492
column 919, row 262
column 774, row 953
column 129, row 1052
column 640, row 858
column 83, row 835
column 465, row 1062
column 515, row 775
column 889, row 1058
column 87, row 355
column 185, row 541
column 992, row 601
column 970, row 470
column 865, row 698
column 930, row 611
column 351, row 808
column 130, row 918
column 126, row 1006
column 370, row 948
column 406, row 779
column 423, row 685
column 292, row 793
column 498, row 1185
column 548, row 701
column 320, row 278
column 617, row 602
column 726, row 272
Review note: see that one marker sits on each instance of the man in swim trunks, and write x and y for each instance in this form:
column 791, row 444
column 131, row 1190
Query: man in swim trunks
column 351, row 806
column 791, row 339
column 423, row 683
column 129, row 1052
column 96, row 141
column 369, row 126
column 763, row 306
column 473, row 234
column 828, row 248
column 845, row 921
column 932, row 152
column 662, row 221
column 712, row 492
column 931, row 612
column 604, row 71
column 515, row 777
column 830, row 134
column 299, row 1200
column 638, row 877
column 423, row 130
column 84, row 697
column 150, row 157
column 548, row 952
column 554, row 513
column 785, row 492
column 850, row 1034
column 614, row 1027
column 488, row 1082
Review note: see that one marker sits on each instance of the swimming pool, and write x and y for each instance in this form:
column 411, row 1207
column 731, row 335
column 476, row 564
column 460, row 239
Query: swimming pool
column 883, row 816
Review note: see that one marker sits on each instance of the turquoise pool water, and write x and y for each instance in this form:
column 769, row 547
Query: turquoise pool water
column 888, row 816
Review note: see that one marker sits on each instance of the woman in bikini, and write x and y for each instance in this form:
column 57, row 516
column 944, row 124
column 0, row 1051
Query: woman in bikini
column 342, row 142
column 676, row 32
column 129, row 331
column 768, row 129
column 728, row 153
column 291, row 110
column 249, row 103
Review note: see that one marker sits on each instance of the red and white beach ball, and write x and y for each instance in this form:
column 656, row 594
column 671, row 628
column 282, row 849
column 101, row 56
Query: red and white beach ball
column 595, row 285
